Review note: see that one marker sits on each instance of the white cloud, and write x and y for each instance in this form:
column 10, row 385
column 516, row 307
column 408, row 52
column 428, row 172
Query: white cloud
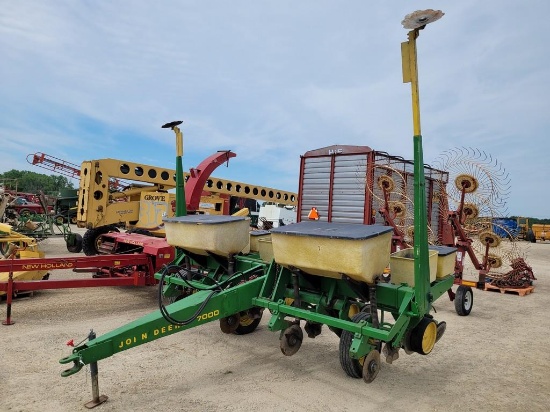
column 271, row 81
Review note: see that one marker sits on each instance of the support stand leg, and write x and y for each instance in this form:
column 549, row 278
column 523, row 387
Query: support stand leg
column 97, row 399
column 9, row 298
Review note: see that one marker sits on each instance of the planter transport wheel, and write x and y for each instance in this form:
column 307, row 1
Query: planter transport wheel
column 464, row 300
column 291, row 340
column 371, row 366
column 353, row 367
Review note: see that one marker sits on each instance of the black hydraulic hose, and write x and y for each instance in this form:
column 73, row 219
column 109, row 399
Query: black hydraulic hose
column 167, row 315
column 216, row 288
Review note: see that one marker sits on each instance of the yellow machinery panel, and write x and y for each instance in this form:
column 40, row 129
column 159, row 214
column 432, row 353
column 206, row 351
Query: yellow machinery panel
column 109, row 195
column 541, row 232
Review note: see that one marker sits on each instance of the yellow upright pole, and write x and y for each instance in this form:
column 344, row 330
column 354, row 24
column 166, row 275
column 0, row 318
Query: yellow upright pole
column 417, row 21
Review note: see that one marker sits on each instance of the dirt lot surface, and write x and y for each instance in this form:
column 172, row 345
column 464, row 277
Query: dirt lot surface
column 496, row 359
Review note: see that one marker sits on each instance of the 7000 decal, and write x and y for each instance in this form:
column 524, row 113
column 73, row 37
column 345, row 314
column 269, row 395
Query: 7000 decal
column 208, row 315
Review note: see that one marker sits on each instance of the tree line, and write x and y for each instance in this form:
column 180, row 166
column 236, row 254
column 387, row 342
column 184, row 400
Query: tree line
column 31, row 182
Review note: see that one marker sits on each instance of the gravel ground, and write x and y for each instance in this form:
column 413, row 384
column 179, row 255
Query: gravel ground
column 493, row 360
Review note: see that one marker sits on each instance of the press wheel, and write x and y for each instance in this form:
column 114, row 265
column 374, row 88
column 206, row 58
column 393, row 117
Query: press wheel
column 291, row 340
column 371, row 366
column 424, row 336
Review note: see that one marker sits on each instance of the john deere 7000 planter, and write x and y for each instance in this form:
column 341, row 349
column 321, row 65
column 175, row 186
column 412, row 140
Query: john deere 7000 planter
column 320, row 273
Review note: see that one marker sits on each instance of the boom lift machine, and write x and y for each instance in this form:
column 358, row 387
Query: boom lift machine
column 322, row 273
column 116, row 193
column 141, row 206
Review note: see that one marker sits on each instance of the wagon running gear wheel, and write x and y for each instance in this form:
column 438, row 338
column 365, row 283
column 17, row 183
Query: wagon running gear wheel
column 92, row 239
column 352, row 367
column 464, row 300
column 249, row 321
column 230, row 323
column 291, row 340
column 74, row 243
column 423, row 336
column 371, row 366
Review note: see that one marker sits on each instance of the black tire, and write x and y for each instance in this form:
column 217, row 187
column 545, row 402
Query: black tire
column 248, row 324
column 74, row 220
column 59, row 219
column 26, row 213
column 4, row 247
column 352, row 367
column 76, row 246
column 531, row 236
column 464, row 300
column 90, row 241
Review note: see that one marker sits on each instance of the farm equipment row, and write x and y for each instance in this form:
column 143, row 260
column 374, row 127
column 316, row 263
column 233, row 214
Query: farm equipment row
column 142, row 205
column 116, row 194
column 320, row 273
column 330, row 271
column 133, row 261
column 129, row 206
column 38, row 224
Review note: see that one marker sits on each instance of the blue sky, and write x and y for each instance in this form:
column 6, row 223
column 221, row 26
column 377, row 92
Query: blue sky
column 86, row 80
